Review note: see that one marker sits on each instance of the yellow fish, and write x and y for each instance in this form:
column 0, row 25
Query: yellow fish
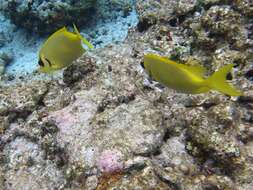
column 61, row 49
column 187, row 79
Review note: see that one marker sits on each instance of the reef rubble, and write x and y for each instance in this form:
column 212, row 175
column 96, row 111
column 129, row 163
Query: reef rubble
column 104, row 126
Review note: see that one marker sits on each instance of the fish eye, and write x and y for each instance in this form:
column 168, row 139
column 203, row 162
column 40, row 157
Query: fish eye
column 41, row 63
column 142, row 65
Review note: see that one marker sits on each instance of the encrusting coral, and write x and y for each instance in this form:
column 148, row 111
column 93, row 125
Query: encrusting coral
column 103, row 126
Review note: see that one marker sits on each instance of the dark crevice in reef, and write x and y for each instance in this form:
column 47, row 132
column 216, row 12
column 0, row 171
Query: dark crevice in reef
column 205, row 105
column 167, row 135
column 203, row 158
column 176, row 21
column 167, row 181
column 202, row 4
column 40, row 102
column 246, row 101
column 13, row 115
column 154, row 152
column 56, row 154
column 144, row 24
column 248, row 118
column 109, row 102
column 249, row 75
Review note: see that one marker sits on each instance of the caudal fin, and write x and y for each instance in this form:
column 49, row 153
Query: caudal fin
column 84, row 40
column 218, row 82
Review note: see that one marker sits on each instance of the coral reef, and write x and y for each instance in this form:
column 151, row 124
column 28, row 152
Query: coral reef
column 46, row 16
column 103, row 126
column 5, row 59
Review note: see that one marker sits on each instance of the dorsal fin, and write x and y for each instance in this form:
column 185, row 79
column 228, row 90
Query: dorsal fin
column 191, row 65
column 196, row 69
column 194, row 66
column 84, row 40
column 63, row 29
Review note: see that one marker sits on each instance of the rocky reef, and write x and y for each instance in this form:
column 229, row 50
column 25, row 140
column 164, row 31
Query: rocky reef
column 46, row 16
column 104, row 126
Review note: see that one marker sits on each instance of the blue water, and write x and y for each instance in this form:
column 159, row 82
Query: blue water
column 25, row 46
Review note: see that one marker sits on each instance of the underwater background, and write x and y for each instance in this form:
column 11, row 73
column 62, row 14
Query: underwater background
column 101, row 123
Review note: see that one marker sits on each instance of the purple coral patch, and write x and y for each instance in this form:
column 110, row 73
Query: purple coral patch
column 110, row 161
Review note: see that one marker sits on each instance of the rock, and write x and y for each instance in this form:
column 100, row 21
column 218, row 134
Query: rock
column 136, row 163
column 164, row 10
column 173, row 154
column 110, row 9
column 5, row 59
column 20, row 100
column 110, row 161
column 246, row 7
column 57, row 97
column 46, row 16
column 2, row 39
column 72, row 128
column 91, row 183
column 79, row 70
column 27, row 168
column 105, row 128
column 145, row 179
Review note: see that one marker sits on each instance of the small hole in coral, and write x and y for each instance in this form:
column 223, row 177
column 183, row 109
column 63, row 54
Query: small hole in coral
column 173, row 22
column 109, row 68
column 143, row 25
column 159, row 38
column 249, row 75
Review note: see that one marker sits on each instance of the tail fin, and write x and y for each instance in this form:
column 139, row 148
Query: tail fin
column 218, row 82
column 85, row 41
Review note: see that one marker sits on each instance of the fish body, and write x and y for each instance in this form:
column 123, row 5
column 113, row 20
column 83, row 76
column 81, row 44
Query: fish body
column 187, row 79
column 61, row 49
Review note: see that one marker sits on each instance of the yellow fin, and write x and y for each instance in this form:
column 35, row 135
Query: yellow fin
column 196, row 69
column 194, row 66
column 63, row 29
column 218, row 82
column 84, row 40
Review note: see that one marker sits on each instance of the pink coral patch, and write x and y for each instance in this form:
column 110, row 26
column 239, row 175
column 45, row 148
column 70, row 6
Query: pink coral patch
column 110, row 161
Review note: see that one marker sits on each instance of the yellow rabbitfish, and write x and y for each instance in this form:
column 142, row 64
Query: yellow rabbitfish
column 61, row 49
column 187, row 79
